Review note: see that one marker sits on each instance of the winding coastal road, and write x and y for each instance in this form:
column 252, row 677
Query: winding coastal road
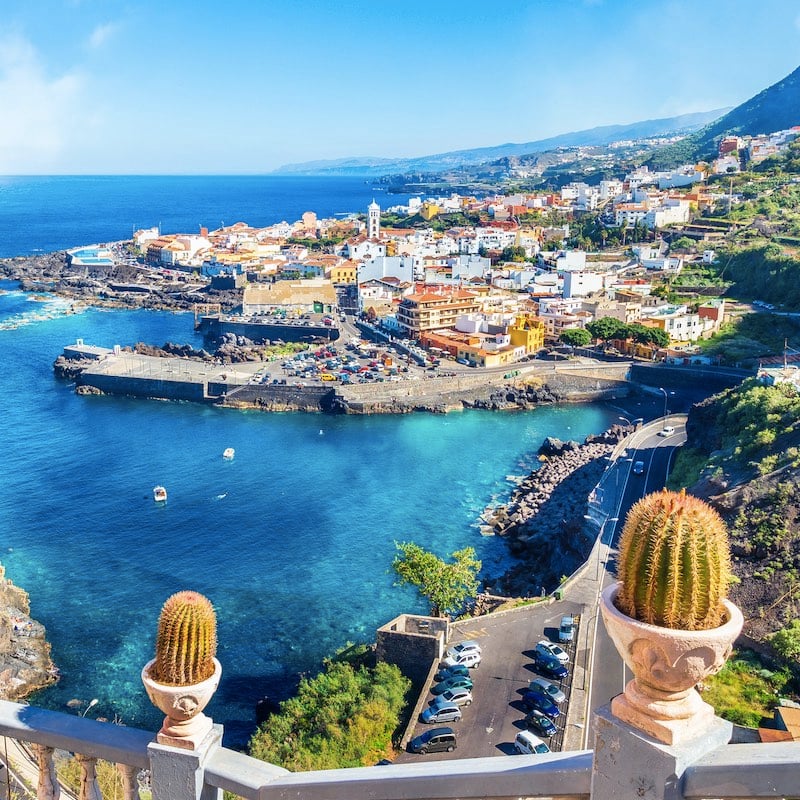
column 608, row 674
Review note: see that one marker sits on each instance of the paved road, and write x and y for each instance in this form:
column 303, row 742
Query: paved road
column 608, row 673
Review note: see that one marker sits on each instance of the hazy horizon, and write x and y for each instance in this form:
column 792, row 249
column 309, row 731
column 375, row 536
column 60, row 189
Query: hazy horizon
column 110, row 88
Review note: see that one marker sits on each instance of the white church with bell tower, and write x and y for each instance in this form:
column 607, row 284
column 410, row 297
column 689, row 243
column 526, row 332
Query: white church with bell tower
column 373, row 221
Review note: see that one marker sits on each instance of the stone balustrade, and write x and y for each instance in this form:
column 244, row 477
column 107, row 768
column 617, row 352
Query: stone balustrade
column 727, row 771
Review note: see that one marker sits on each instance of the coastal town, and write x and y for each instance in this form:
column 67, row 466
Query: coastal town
column 444, row 303
column 451, row 283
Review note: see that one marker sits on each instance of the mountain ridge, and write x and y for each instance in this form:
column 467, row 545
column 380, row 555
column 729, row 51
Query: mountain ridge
column 597, row 136
column 773, row 109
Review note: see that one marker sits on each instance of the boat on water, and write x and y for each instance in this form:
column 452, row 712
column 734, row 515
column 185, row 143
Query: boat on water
column 228, row 453
column 159, row 494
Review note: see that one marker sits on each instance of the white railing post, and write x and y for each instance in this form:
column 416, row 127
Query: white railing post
column 89, row 789
column 130, row 785
column 48, row 787
column 179, row 774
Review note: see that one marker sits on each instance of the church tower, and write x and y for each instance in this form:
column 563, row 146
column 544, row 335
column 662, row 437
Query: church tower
column 373, row 221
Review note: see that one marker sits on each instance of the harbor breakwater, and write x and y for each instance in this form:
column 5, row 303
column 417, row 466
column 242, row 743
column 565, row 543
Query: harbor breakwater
column 543, row 521
column 180, row 378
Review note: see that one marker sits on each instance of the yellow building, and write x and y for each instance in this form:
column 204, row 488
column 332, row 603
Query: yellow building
column 528, row 332
column 346, row 272
column 429, row 210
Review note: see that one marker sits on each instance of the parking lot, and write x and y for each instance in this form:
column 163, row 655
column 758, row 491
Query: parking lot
column 348, row 362
column 496, row 713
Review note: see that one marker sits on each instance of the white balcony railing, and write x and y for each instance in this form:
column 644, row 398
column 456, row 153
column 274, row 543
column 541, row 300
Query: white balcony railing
column 733, row 771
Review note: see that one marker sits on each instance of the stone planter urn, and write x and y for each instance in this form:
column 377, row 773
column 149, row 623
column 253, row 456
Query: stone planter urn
column 667, row 664
column 185, row 725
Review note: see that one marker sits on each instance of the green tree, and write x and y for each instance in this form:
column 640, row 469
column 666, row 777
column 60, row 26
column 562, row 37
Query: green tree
column 607, row 328
column 787, row 641
column 513, row 253
column 576, row 337
column 658, row 337
column 682, row 243
column 445, row 585
column 343, row 717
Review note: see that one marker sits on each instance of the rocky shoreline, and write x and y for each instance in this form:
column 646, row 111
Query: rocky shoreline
column 543, row 521
column 25, row 663
column 105, row 287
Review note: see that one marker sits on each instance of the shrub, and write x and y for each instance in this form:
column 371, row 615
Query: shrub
column 343, row 717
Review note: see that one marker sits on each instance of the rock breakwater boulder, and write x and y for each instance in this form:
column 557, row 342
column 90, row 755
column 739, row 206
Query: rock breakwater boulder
column 543, row 520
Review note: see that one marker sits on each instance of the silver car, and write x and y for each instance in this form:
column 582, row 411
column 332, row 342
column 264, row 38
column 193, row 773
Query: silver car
column 461, row 697
column 447, row 712
column 553, row 650
column 549, row 688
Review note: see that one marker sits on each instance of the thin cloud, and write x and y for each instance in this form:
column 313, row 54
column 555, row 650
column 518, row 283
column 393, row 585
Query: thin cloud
column 102, row 33
column 36, row 108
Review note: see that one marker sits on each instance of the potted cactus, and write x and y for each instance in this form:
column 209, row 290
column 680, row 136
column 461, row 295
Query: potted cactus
column 667, row 614
column 184, row 674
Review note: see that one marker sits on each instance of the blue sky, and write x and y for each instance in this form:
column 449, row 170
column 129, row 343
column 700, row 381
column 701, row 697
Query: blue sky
column 244, row 86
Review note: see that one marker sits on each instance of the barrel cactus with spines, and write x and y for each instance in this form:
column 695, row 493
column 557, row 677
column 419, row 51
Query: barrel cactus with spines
column 674, row 562
column 186, row 642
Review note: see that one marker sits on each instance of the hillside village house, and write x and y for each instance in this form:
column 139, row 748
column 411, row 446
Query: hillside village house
column 681, row 324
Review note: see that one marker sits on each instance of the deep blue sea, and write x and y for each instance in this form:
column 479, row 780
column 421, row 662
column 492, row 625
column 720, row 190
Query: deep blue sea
column 42, row 214
column 292, row 540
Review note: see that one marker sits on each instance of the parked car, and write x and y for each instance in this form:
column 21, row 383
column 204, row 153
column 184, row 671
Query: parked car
column 667, row 430
column 448, row 712
column 540, row 723
column 541, row 702
column 470, row 659
column 638, row 467
column 526, row 743
column 549, row 649
column 550, row 667
column 456, row 671
column 566, row 631
column 458, row 682
column 463, row 647
column 549, row 688
column 461, row 697
column 436, row 740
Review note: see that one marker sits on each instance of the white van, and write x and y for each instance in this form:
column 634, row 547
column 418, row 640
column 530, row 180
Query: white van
column 527, row 743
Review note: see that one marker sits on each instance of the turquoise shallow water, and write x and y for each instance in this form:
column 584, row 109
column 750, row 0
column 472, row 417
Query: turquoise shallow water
column 292, row 540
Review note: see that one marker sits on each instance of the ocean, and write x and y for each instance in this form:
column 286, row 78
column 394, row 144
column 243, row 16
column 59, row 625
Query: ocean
column 46, row 213
column 292, row 540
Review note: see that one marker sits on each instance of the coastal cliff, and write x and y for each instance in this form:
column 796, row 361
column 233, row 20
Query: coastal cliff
column 25, row 663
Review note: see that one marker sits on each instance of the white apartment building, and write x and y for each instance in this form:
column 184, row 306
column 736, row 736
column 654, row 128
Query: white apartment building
column 610, row 189
column 581, row 283
column 629, row 214
column 672, row 211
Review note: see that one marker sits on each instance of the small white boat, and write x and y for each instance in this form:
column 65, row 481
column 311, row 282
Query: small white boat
column 159, row 494
column 228, row 453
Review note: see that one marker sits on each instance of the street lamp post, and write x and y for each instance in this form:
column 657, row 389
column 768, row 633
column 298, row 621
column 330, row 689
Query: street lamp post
column 662, row 389
column 92, row 703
